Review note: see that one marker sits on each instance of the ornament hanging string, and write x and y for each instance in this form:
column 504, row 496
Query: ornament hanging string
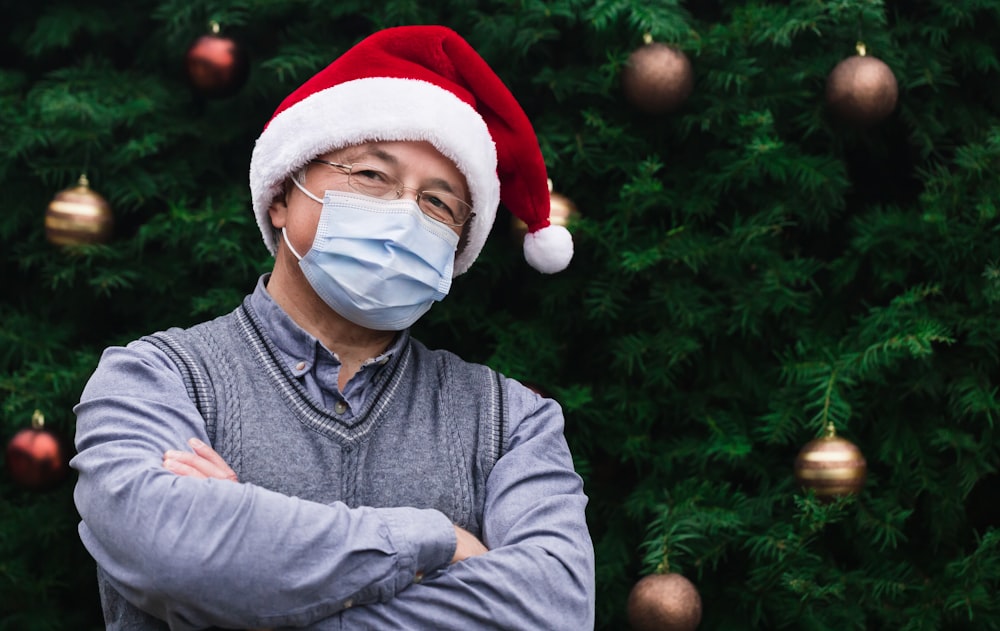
column 664, row 566
column 827, row 398
column 861, row 37
column 86, row 164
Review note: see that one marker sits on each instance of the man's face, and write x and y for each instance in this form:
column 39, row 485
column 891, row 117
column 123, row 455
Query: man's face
column 416, row 164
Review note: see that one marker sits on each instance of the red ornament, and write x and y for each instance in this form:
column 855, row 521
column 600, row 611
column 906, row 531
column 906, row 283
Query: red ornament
column 216, row 65
column 36, row 459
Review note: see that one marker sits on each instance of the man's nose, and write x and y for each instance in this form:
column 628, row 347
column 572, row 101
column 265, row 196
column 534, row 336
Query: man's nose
column 402, row 190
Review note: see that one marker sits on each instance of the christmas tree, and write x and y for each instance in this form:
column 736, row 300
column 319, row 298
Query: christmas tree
column 764, row 249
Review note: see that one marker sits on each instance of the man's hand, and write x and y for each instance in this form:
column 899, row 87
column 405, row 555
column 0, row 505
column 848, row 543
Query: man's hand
column 203, row 463
column 468, row 545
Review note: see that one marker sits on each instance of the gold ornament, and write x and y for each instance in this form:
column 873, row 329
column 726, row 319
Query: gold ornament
column 831, row 466
column 78, row 215
column 657, row 78
column 562, row 211
column 664, row 602
column 862, row 89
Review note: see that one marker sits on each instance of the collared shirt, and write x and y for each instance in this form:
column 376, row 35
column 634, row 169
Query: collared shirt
column 316, row 367
column 211, row 552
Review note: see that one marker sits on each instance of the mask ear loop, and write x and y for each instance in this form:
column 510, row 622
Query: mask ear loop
column 284, row 235
column 296, row 182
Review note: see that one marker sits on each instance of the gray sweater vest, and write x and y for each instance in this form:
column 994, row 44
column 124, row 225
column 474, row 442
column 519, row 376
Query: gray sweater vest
column 427, row 436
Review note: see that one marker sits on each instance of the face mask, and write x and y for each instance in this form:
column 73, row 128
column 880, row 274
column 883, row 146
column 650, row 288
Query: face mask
column 379, row 263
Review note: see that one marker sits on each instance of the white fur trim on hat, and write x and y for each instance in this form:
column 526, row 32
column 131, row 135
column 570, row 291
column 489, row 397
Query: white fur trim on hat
column 379, row 109
column 549, row 250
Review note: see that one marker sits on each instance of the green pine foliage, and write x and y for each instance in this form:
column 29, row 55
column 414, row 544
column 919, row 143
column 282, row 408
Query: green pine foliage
column 748, row 269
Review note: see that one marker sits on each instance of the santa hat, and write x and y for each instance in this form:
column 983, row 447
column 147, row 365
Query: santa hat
column 419, row 83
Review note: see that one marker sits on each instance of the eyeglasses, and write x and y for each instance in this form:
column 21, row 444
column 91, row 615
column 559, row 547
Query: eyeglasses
column 438, row 205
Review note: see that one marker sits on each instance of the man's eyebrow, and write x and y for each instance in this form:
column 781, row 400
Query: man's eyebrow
column 443, row 185
column 371, row 151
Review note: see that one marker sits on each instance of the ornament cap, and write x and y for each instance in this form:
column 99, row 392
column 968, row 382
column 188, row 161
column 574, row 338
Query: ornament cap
column 37, row 419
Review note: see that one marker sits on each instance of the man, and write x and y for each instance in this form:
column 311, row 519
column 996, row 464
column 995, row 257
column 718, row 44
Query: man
column 341, row 475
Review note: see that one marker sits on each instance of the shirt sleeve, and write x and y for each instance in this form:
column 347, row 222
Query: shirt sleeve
column 198, row 553
column 539, row 572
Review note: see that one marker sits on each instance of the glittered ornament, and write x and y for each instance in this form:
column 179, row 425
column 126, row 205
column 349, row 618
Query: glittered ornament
column 657, row 78
column 862, row 89
column 78, row 216
column 664, row 602
column 562, row 212
column 831, row 466
column 36, row 459
column 217, row 66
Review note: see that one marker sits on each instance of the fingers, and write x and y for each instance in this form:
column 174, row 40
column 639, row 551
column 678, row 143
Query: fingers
column 180, row 468
column 467, row 545
column 204, row 463
column 213, row 457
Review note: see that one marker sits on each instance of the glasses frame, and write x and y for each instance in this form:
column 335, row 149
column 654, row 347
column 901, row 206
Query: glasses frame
column 397, row 191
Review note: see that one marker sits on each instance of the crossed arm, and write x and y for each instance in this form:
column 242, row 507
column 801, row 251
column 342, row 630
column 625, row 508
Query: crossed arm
column 203, row 462
column 199, row 549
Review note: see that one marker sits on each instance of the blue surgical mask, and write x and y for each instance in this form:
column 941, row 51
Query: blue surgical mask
column 379, row 263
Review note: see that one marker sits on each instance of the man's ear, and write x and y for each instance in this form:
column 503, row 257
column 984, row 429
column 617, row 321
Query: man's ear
column 278, row 211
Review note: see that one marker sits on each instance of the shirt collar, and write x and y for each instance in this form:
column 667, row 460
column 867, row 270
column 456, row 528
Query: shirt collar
column 298, row 347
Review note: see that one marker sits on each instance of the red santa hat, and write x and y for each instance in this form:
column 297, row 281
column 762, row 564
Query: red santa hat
column 419, row 83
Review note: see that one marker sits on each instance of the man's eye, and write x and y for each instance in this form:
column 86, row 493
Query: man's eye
column 437, row 202
column 371, row 175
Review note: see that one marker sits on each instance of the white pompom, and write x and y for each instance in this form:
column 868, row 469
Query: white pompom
column 549, row 250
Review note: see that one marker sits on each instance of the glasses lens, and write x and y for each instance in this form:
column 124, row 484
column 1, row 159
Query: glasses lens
column 444, row 207
column 370, row 181
column 438, row 205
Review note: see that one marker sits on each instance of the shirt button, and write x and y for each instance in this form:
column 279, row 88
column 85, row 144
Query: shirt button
column 300, row 366
column 419, row 576
column 340, row 407
column 348, row 603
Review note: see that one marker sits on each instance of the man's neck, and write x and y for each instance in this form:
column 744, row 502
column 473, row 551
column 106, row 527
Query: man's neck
column 353, row 344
